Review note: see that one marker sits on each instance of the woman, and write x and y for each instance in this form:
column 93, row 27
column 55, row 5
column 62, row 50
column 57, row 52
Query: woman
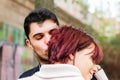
column 74, row 54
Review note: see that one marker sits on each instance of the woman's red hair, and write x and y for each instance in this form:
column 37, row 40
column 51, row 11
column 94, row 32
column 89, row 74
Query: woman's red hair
column 68, row 40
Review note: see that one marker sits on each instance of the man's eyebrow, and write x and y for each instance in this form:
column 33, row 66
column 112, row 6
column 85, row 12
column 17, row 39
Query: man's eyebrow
column 37, row 34
column 53, row 29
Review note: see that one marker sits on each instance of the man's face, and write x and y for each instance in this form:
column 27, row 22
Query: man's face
column 84, row 62
column 39, row 36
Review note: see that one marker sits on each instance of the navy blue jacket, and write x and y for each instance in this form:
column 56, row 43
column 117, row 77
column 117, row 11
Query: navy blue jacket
column 29, row 72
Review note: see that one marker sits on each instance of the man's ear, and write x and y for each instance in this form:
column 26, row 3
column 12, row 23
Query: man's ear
column 29, row 43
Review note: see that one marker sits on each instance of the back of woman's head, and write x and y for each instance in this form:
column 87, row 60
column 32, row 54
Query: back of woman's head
column 68, row 40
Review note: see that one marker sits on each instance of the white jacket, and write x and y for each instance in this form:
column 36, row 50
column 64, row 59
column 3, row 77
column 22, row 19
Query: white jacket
column 56, row 72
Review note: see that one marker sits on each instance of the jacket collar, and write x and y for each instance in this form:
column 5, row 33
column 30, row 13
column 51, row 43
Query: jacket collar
column 58, row 70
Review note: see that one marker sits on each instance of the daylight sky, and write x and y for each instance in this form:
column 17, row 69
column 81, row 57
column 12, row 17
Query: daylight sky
column 109, row 7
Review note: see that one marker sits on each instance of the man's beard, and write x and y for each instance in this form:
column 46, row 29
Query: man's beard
column 41, row 60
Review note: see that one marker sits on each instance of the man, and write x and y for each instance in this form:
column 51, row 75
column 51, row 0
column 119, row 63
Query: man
column 38, row 26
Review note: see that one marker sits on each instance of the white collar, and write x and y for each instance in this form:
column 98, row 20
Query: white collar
column 58, row 70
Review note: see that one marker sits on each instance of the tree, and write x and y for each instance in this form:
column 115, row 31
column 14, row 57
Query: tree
column 44, row 3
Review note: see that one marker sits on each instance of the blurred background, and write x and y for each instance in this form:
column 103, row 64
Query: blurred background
column 100, row 18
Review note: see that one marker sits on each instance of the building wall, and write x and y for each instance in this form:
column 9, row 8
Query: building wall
column 12, row 16
column 13, row 12
column 72, row 8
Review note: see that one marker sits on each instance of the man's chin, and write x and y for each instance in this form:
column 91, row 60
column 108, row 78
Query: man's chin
column 43, row 60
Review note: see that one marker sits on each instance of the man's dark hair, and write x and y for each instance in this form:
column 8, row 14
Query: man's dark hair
column 38, row 15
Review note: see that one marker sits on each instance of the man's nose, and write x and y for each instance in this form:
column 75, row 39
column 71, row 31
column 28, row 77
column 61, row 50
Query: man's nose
column 47, row 38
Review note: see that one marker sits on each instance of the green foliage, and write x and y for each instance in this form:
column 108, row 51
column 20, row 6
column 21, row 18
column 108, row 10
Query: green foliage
column 116, row 41
column 65, row 0
column 44, row 3
column 83, row 5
